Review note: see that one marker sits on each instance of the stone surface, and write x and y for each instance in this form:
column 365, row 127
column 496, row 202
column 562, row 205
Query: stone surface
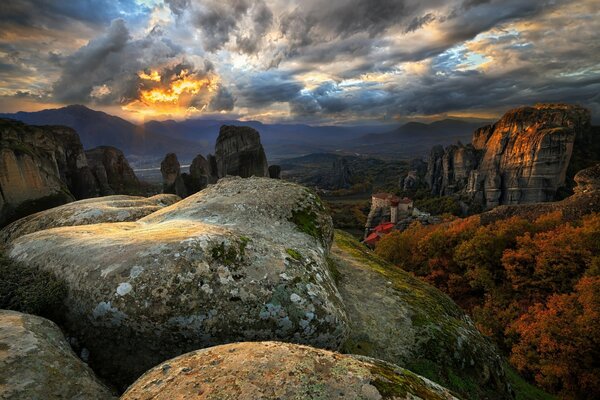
column 400, row 319
column 42, row 167
column 112, row 171
column 275, row 171
column 242, row 260
column 588, row 180
column 173, row 182
column 522, row 158
column 199, row 174
column 279, row 371
column 117, row 208
column 341, row 174
column 36, row 362
column 238, row 152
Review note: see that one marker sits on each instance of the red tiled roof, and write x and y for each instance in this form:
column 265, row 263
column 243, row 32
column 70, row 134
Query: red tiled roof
column 372, row 239
column 405, row 200
column 385, row 227
column 383, row 196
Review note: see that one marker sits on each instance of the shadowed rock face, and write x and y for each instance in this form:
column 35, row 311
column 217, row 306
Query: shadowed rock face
column 242, row 260
column 42, row 167
column 199, row 174
column 112, row 171
column 588, row 180
column 275, row 171
column 37, row 362
column 239, row 152
column 522, row 158
column 173, row 182
column 282, row 371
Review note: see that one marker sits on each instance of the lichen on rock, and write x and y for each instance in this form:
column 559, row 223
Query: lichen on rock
column 283, row 371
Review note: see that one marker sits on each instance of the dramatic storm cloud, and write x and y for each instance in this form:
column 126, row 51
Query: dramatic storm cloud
column 322, row 62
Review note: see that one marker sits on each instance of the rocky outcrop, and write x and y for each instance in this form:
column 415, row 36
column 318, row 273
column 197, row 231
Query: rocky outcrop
column 41, row 167
column 588, row 180
column 341, row 174
column 405, row 321
column 522, row 158
column 586, row 200
column 275, row 171
column 36, row 362
column 199, row 174
column 87, row 212
column 242, row 260
column 415, row 177
column 283, row 371
column 213, row 175
column 173, row 182
column 112, row 171
column 238, row 152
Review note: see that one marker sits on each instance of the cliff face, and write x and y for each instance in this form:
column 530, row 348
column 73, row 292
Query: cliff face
column 112, row 171
column 522, row 158
column 41, row 167
column 239, row 152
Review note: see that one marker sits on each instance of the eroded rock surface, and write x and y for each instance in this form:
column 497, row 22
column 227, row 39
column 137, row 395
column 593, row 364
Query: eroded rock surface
column 400, row 319
column 112, row 171
column 238, row 152
column 173, row 182
column 36, row 362
column 282, row 371
column 85, row 212
column 588, row 180
column 522, row 158
column 41, row 167
column 243, row 260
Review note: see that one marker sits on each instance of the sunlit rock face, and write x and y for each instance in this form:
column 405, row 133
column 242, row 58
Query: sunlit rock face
column 37, row 362
column 522, row 158
column 87, row 212
column 239, row 152
column 112, row 170
column 283, row 371
column 243, row 260
column 41, row 167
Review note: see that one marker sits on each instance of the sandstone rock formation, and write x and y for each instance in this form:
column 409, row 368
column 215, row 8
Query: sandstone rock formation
column 522, row 158
column 238, row 152
column 341, row 174
column 199, row 174
column 279, row 371
column 86, row 212
column 173, row 183
column 588, row 180
column 213, row 169
column 42, row 167
column 243, row 260
column 36, row 362
column 274, row 171
column 586, row 200
column 405, row 321
column 415, row 176
column 112, row 171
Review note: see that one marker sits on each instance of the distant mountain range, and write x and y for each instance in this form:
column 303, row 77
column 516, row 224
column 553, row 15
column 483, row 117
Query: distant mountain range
column 153, row 139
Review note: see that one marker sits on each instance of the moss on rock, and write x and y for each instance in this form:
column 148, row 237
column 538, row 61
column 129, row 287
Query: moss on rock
column 400, row 319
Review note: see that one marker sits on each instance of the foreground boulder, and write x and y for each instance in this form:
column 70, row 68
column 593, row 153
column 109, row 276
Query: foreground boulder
column 112, row 171
column 36, row 362
column 243, row 260
column 400, row 319
column 271, row 370
column 42, row 167
column 238, row 152
column 87, row 212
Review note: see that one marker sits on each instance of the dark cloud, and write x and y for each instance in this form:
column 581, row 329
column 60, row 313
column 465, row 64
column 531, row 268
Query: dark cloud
column 223, row 100
column 268, row 87
column 106, row 70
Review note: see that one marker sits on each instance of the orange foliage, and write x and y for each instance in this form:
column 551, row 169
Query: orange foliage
column 503, row 274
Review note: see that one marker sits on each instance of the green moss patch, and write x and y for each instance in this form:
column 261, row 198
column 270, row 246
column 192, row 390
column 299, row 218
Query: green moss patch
column 294, row 254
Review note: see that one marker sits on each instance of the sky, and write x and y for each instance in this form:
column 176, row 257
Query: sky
column 310, row 61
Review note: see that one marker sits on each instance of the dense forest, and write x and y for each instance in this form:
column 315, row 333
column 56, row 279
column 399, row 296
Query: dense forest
column 533, row 287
